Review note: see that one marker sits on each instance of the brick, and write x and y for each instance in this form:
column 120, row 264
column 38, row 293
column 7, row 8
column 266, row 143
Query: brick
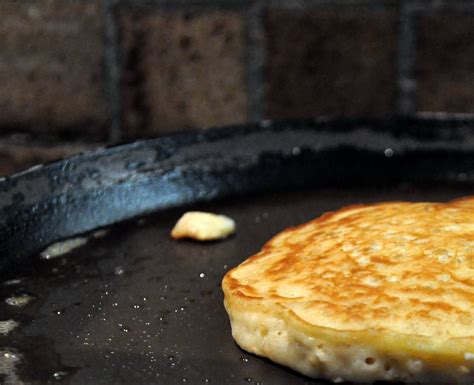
column 18, row 156
column 51, row 67
column 444, row 65
column 322, row 61
column 182, row 70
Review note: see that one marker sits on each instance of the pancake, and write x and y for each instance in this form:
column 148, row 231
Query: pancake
column 366, row 293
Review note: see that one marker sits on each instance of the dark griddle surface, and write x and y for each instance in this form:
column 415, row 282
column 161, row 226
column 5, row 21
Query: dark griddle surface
column 162, row 321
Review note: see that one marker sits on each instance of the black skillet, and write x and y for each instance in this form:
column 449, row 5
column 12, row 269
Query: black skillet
column 135, row 307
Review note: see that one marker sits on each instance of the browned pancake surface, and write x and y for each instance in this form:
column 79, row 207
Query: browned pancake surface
column 396, row 268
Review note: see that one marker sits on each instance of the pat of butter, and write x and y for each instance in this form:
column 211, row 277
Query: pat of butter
column 203, row 226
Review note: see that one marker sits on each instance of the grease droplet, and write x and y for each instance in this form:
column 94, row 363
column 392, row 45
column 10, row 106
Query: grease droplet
column 19, row 301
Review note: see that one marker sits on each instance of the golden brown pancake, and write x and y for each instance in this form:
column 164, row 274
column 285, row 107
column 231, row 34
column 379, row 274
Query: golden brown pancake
column 366, row 293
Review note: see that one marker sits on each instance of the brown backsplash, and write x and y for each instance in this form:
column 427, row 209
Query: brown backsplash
column 330, row 62
column 51, row 67
column 97, row 71
column 181, row 70
column 445, row 63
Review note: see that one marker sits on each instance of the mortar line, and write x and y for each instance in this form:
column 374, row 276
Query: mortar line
column 306, row 4
column 234, row 4
column 406, row 60
column 189, row 4
column 255, row 45
column 113, row 72
column 433, row 6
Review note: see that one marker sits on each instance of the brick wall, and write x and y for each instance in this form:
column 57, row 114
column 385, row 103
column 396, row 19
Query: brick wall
column 79, row 73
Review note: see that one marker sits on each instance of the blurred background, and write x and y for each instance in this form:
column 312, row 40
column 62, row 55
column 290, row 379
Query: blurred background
column 79, row 74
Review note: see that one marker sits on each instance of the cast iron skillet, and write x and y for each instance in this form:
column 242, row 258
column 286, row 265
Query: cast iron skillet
column 137, row 307
column 55, row 201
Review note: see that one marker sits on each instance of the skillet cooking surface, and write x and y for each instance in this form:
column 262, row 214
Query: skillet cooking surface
column 136, row 307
